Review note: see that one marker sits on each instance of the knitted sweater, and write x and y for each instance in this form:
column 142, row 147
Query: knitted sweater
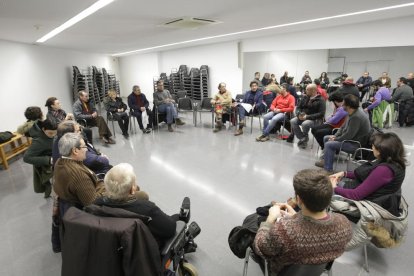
column 160, row 97
column 75, row 183
column 302, row 240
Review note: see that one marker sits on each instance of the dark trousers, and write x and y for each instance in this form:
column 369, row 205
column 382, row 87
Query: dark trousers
column 320, row 131
column 138, row 114
column 123, row 121
column 103, row 128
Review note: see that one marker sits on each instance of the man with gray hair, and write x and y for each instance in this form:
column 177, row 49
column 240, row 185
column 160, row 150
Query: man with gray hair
column 84, row 109
column 74, row 182
column 123, row 192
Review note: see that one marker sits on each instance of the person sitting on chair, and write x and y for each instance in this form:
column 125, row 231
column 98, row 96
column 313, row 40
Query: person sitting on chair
column 348, row 87
column 165, row 104
column 374, row 180
column 84, row 109
column 33, row 114
column 253, row 97
column 385, row 80
column 117, row 108
column 57, row 115
column 403, row 91
column 75, row 183
column 95, row 160
column 39, row 154
column 222, row 105
column 311, row 111
column 122, row 192
column 282, row 104
column 363, row 84
column 335, row 121
column 138, row 103
column 383, row 94
column 310, row 236
column 356, row 128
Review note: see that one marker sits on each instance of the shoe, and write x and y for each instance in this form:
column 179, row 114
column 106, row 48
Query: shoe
column 304, row 145
column 170, row 129
column 265, row 138
column 302, row 141
column 178, row 122
column 146, row 131
column 125, row 134
column 111, row 141
column 290, row 138
column 216, row 129
column 258, row 139
column 185, row 210
column 238, row 132
column 320, row 163
column 104, row 140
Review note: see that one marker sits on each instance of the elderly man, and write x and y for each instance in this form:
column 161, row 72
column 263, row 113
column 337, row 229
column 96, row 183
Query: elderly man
column 253, row 97
column 122, row 192
column 165, row 104
column 138, row 103
column 222, row 105
column 356, row 127
column 311, row 111
column 310, row 236
column 363, row 84
column 74, row 182
column 282, row 104
column 84, row 109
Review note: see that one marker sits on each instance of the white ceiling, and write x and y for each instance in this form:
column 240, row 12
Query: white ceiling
column 126, row 25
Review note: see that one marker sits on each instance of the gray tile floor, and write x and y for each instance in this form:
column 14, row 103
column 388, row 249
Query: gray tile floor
column 226, row 178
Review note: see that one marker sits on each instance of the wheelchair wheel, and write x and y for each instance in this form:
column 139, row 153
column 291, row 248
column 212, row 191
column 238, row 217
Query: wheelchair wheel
column 187, row 269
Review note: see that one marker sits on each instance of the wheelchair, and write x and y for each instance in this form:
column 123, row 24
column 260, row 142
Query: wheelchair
column 107, row 230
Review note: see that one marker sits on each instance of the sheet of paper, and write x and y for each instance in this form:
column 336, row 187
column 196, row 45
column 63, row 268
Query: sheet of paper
column 247, row 107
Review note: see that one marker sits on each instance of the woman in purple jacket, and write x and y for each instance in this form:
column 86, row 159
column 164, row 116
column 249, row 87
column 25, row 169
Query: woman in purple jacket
column 378, row 181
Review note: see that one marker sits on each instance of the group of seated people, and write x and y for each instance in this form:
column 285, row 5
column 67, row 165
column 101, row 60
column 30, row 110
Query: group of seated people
column 63, row 149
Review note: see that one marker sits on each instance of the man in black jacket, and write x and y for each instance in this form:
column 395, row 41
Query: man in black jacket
column 311, row 111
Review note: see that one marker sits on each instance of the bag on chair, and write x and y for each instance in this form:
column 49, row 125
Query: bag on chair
column 5, row 136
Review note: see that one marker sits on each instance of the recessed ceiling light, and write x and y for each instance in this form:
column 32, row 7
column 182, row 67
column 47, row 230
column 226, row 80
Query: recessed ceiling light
column 85, row 13
column 268, row 28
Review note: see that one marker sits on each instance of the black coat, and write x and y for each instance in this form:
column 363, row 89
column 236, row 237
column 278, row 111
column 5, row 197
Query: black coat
column 406, row 112
column 112, row 246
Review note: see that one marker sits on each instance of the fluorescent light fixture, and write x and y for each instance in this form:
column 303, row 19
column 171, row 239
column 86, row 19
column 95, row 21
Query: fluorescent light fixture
column 269, row 28
column 85, row 13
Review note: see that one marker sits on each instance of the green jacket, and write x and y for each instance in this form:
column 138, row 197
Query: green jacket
column 39, row 155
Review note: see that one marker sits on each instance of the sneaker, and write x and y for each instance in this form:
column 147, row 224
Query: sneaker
column 178, row 122
column 258, row 139
column 264, row 139
column 111, row 141
column 320, row 163
column 238, row 132
column 290, row 138
column 170, row 129
column 145, row 131
column 302, row 141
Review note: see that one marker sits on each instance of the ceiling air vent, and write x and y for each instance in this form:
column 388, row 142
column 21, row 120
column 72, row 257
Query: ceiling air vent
column 189, row 23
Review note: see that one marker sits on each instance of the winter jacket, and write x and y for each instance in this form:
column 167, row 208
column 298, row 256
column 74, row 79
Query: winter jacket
column 133, row 102
column 314, row 108
column 80, row 112
column 258, row 100
column 113, row 106
column 375, row 224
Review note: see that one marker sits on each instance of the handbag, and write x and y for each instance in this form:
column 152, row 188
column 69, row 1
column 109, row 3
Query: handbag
column 5, row 136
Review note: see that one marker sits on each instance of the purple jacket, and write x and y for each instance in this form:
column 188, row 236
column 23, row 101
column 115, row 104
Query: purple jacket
column 383, row 94
column 337, row 116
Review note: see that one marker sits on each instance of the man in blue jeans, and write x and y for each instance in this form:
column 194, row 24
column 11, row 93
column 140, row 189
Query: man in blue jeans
column 283, row 103
column 356, row 128
column 165, row 104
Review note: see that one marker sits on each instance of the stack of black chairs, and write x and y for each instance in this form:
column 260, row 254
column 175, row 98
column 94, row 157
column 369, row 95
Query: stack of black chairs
column 81, row 81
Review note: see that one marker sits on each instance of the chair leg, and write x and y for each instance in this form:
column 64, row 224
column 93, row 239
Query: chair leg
column 113, row 128
column 251, row 124
column 366, row 267
column 212, row 119
column 246, row 261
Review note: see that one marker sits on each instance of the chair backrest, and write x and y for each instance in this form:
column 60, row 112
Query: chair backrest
column 98, row 245
column 181, row 94
column 239, row 97
column 305, row 269
column 185, row 104
column 206, row 104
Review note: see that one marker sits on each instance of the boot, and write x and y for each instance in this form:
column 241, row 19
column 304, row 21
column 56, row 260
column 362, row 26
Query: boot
column 178, row 122
column 218, row 126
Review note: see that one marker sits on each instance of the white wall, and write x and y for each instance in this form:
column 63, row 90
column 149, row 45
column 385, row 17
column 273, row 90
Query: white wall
column 221, row 58
column 30, row 74
column 277, row 62
column 397, row 61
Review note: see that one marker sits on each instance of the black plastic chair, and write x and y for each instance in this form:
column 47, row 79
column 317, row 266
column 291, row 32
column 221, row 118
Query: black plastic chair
column 205, row 107
column 185, row 105
column 110, row 117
